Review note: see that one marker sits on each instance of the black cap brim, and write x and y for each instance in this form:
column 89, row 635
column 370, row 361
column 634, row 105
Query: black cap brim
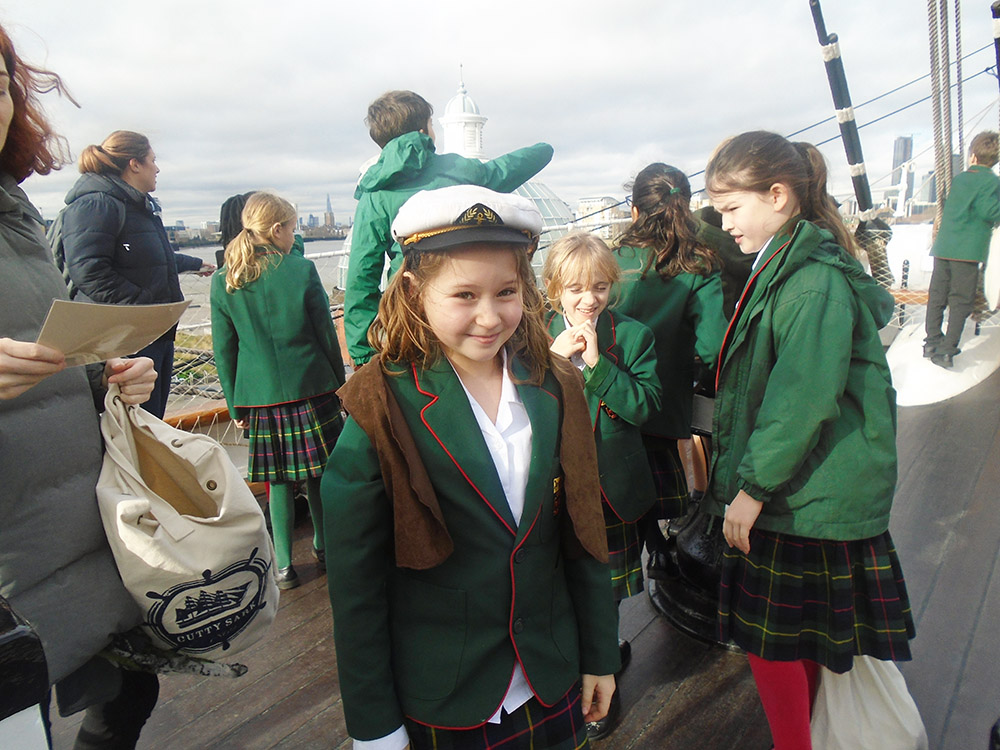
column 471, row 236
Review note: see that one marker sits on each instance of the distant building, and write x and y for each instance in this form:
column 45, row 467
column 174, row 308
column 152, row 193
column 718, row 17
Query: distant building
column 902, row 155
column 328, row 220
column 603, row 216
column 462, row 133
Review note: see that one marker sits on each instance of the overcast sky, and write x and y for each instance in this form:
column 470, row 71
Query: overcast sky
column 244, row 94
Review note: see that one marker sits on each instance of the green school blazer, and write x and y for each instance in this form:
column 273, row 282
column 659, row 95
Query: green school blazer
column 685, row 315
column 440, row 645
column 971, row 211
column 622, row 390
column 274, row 339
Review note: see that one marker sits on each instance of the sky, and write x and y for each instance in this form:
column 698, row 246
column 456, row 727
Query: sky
column 238, row 95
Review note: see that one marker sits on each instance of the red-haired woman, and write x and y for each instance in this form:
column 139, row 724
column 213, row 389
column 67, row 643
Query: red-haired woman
column 56, row 569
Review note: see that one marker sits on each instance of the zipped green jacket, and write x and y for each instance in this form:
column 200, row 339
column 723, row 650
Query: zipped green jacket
column 971, row 211
column 407, row 165
column 805, row 411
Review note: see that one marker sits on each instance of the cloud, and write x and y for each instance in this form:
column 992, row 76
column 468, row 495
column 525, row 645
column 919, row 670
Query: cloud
column 237, row 95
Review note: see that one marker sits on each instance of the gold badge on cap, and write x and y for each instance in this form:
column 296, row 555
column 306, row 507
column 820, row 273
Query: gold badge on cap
column 477, row 215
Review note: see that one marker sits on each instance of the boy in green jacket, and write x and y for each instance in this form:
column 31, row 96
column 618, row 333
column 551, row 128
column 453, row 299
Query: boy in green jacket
column 400, row 123
column 962, row 243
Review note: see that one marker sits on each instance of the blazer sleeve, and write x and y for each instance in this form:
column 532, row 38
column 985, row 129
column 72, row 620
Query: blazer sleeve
column 813, row 338
column 705, row 310
column 357, row 522
column 318, row 310
column 596, row 615
column 508, row 172
column 370, row 242
column 90, row 242
column 225, row 341
column 630, row 388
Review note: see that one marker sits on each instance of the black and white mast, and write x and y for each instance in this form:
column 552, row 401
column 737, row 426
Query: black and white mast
column 872, row 234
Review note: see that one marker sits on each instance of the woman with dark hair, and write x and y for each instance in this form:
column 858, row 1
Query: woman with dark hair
column 56, row 569
column 671, row 283
column 116, row 249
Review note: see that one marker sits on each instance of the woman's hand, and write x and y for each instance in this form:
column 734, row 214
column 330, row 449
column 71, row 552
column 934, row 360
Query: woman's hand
column 134, row 377
column 597, row 692
column 23, row 365
column 243, row 424
column 740, row 517
column 568, row 343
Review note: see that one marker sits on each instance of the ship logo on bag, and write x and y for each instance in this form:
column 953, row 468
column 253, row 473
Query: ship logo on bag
column 203, row 614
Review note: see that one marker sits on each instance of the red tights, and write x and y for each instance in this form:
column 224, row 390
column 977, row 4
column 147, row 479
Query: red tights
column 786, row 689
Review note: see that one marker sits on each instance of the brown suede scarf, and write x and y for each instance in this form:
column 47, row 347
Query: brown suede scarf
column 421, row 537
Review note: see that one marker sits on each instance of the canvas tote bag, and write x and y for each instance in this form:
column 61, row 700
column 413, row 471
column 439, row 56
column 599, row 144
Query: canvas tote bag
column 867, row 708
column 187, row 534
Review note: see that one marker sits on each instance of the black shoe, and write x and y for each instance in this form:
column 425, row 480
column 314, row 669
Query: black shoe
column 287, row 578
column 930, row 350
column 597, row 730
column 625, row 652
column 658, row 567
column 947, row 361
column 320, row 556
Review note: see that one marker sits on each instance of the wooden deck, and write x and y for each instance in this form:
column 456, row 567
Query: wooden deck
column 679, row 693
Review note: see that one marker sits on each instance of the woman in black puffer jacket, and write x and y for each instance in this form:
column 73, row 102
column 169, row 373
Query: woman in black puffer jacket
column 116, row 249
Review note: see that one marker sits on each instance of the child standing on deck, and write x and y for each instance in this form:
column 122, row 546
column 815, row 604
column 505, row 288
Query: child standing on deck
column 671, row 283
column 400, row 123
column 963, row 242
column 471, row 599
column 279, row 363
column 617, row 357
column 804, row 465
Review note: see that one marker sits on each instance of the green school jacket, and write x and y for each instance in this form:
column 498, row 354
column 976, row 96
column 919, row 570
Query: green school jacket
column 805, row 411
column 622, row 390
column 439, row 645
column 407, row 165
column 685, row 315
column 274, row 339
column 971, row 211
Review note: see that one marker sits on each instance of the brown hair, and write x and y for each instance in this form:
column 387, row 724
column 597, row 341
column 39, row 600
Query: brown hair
column 395, row 113
column 665, row 224
column 115, row 153
column 32, row 146
column 986, row 148
column 757, row 160
column 578, row 256
column 403, row 336
column 243, row 263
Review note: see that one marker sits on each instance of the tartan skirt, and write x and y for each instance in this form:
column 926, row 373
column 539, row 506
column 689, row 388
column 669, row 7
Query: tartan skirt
column 531, row 727
column 291, row 442
column 669, row 478
column 625, row 555
column 798, row 598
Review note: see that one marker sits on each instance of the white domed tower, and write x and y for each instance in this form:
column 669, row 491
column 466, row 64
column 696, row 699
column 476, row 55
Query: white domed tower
column 463, row 125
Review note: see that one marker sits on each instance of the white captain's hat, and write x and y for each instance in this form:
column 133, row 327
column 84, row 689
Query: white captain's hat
column 465, row 214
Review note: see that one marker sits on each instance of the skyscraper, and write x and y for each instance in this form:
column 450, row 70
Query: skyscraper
column 902, row 153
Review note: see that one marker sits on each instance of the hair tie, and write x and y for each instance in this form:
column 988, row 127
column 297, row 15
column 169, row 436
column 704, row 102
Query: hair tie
column 674, row 190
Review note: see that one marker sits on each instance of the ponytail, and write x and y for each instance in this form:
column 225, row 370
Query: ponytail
column 244, row 264
column 818, row 205
column 115, row 153
column 661, row 195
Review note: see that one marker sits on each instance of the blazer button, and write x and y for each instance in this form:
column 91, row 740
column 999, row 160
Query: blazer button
column 520, row 555
column 518, row 625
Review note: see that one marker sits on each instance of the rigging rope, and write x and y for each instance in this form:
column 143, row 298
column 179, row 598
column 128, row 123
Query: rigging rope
column 958, row 78
column 939, row 154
